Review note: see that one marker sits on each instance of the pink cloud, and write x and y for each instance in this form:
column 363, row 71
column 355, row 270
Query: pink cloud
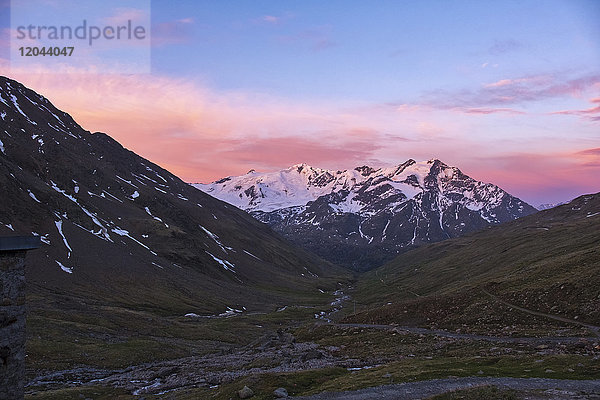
column 408, row 107
column 512, row 92
column 203, row 135
column 500, row 83
column 491, row 111
column 589, row 157
column 277, row 151
column 531, row 80
column 592, row 113
column 539, row 178
column 122, row 15
column 270, row 19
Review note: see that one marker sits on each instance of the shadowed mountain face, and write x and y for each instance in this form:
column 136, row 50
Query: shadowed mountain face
column 363, row 217
column 118, row 228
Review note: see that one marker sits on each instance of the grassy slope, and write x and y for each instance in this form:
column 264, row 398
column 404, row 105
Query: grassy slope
column 124, row 302
column 512, row 261
column 547, row 262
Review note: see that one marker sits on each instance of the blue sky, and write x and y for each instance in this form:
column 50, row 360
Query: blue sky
column 375, row 51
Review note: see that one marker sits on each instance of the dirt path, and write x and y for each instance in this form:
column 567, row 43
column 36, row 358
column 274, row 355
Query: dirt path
column 441, row 333
column 557, row 389
column 595, row 329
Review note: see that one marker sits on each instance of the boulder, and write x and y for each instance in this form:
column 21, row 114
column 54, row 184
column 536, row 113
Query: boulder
column 311, row 355
column 245, row 393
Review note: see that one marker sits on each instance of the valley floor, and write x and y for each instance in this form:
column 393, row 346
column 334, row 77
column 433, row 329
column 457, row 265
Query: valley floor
column 530, row 388
column 377, row 361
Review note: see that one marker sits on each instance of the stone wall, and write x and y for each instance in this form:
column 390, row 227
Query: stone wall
column 12, row 324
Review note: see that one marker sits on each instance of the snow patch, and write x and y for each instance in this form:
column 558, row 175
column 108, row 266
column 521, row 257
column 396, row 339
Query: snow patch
column 14, row 100
column 126, row 181
column 224, row 263
column 59, row 228
column 384, row 230
column 68, row 270
column 154, row 217
column 230, row 312
column 252, row 255
column 33, row 196
column 214, row 237
column 103, row 232
column 123, row 232
column 113, row 196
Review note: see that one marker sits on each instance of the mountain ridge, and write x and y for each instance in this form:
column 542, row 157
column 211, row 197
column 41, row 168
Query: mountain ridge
column 103, row 210
column 369, row 214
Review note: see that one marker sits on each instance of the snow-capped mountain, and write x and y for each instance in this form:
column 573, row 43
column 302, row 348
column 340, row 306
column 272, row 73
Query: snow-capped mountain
column 363, row 217
column 117, row 226
column 547, row 206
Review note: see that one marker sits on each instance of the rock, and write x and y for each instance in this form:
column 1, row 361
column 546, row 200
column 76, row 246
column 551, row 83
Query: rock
column 287, row 338
column 167, row 371
column 245, row 393
column 311, row 355
column 280, row 392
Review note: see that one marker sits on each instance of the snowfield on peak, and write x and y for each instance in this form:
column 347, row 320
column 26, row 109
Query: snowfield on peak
column 294, row 186
column 301, row 183
column 345, row 215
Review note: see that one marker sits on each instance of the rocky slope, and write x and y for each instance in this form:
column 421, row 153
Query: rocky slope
column 117, row 228
column 363, row 217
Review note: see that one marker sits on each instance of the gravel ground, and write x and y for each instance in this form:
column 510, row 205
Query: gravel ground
column 551, row 389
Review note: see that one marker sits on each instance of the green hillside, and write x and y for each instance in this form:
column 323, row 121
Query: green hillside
column 548, row 262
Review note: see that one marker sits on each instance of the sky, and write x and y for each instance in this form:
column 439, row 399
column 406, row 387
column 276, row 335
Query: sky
column 507, row 91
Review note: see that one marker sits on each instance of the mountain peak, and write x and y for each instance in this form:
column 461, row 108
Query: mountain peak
column 304, row 167
column 355, row 210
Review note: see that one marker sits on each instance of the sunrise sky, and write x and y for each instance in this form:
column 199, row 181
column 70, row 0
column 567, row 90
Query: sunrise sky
column 508, row 91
